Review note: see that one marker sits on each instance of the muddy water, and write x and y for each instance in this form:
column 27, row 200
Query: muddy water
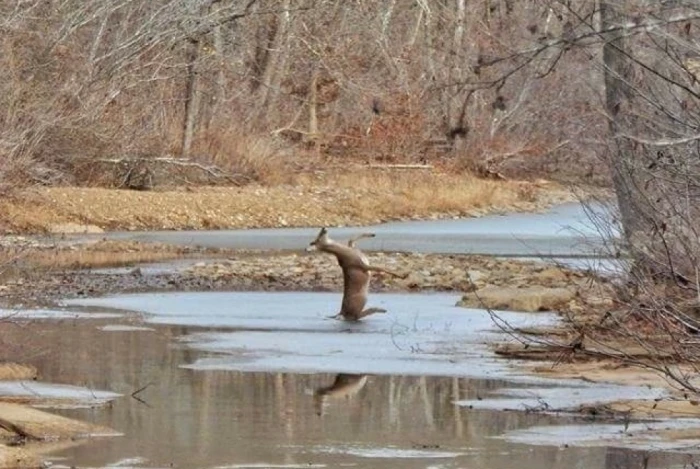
column 264, row 380
column 219, row 418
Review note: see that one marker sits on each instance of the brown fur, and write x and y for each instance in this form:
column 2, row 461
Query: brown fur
column 344, row 386
column 356, row 274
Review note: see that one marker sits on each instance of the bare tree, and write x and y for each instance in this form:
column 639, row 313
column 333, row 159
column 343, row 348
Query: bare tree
column 649, row 86
column 485, row 79
column 652, row 102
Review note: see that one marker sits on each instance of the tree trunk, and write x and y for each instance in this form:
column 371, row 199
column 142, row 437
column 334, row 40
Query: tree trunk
column 618, row 79
column 313, row 108
column 277, row 65
column 191, row 99
column 219, row 95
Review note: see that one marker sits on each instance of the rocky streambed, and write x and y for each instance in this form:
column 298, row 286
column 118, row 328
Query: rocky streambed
column 483, row 281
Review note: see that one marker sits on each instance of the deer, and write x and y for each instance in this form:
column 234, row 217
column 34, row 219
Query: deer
column 344, row 386
column 357, row 272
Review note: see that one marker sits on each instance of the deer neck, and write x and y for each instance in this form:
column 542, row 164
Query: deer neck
column 338, row 250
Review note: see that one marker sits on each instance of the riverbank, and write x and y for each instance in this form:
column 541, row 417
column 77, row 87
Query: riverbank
column 355, row 197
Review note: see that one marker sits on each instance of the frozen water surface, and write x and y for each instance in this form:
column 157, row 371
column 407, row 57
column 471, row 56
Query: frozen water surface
column 421, row 334
column 563, row 231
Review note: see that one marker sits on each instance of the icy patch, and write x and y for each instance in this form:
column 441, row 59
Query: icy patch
column 422, row 334
column 567, row 396
column 266, row 465
column 388, row 452
column 74, row 396
column 123, row 328
column 9, row 314
column 128, row 462
column 644, row 436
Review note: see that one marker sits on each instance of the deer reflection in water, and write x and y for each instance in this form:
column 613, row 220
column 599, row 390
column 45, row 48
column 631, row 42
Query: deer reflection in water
column 345, row 386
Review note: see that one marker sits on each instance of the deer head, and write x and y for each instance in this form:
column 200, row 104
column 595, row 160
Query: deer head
column 320, row 240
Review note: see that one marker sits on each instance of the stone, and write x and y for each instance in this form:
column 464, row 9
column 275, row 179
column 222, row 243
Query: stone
column 528, row 299
column 42, row 425
column 18, row 458
column 476, row 275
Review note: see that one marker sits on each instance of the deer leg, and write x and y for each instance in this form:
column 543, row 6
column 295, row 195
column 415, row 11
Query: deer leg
column 369, row 311
column 351, row 241
column 372, row 268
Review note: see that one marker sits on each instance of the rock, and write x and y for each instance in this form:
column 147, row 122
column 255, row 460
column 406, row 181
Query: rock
column 528, row 299
column 551, row 275
column 414, row 278
column 73, row 228
column 475, row 275
column 17, row 458
column 36, row 424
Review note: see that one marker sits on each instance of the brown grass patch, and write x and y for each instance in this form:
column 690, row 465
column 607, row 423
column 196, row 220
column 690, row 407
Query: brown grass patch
column 59, row 260
column 410, row 193
column 101, row 254
column 16, row 371
column 353, row 197
column 254, row 157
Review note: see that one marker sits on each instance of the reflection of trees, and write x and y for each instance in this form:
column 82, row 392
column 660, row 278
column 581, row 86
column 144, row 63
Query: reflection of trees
column 227, row 416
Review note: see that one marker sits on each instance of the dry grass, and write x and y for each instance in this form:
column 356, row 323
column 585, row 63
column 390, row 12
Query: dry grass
column 410, row 193
column 59, row 260
column 255, row 157
column 101, row 254
column 323, row 198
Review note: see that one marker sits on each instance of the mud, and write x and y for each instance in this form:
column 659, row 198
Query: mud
column 18, row 458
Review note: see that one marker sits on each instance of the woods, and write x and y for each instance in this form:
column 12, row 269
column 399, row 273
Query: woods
column 234, row 82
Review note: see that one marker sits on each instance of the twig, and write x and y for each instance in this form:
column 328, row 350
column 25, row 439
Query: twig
column 212, row 170
column 138, row 391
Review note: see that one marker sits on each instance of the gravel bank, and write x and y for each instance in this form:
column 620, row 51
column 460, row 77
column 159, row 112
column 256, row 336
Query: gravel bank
column 475, row 277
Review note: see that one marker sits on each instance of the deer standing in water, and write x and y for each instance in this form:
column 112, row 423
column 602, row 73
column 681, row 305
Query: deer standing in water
column 356, row 274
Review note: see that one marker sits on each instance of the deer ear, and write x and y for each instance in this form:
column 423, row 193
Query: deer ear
column 323, row 231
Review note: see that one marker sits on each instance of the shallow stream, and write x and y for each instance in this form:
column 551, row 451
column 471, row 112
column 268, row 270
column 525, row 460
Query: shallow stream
column 254, row 380
column 235, row 380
